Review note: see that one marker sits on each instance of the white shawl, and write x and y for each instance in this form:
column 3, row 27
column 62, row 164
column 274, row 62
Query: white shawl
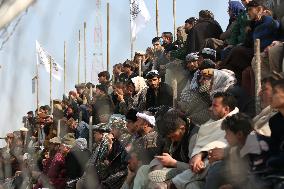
column 210, row 135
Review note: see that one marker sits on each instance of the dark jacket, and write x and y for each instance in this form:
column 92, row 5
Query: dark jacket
column 76, row 161
column 164, row 96
column 200, row 32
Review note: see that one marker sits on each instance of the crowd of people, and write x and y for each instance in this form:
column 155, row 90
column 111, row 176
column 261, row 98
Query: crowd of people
column 140, row 130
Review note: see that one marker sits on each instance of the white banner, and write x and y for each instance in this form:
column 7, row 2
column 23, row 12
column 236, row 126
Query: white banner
column 43, row 60
column 140, row 16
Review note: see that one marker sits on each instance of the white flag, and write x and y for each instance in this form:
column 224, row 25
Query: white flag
column 140, row 16
column 43, row 60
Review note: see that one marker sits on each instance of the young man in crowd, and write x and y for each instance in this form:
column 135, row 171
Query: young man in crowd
column 158, row 93
column 276, row 127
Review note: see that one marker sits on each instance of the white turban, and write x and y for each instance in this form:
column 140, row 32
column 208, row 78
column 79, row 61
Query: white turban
column 149, row 119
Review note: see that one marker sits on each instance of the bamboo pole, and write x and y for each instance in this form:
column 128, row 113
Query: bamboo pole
column 108, row 38
column 37, row 87
column 50, row 82
column 174, row 18
column 257, row 74
column 64, row 67
column 79, row 49
column 157, row 19
column 140, row 67
column 90, row 133
column 85, row 53
column 174, row 86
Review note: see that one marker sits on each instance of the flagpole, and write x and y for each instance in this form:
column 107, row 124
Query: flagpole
column 37, row 82
column 157, row 18
column 174, row 17
column 85, row 56
column 64, row 67
column 50, row 83
column 79, row 42
column 108, row 37
column 131, row 40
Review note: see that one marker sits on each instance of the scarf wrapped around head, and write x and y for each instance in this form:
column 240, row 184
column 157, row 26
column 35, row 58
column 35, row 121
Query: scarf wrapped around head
column 222, row 80
column 236, row 7
column 139, row 84
column 81, row 143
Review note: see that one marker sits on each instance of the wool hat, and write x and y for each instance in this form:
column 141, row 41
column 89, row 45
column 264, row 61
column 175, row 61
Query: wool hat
column 102, row 127
column 151, row 74
column 55, row 140
column 208, row 53
column 192, row 57
column 68, row 139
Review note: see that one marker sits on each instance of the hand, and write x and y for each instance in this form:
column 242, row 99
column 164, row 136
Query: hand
column 215, row 154
column 167, row 160
column 120, row 97
column 196, row 163
column 130, row 176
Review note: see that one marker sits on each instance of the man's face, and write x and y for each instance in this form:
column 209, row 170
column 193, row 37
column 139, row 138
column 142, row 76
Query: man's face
column 252, row 13
column 130, row 89
column 192, row 66
column 79, row 90
column 99, row 92
column 166, row 40
column 69, row 111
column 154, row 82
column 98, row 136
column 187, row 27
column 231, row 138
column 116, row 71
column 218, row 110
column 277, row 98
column 102, row 79
column 140, row 124
column 265, row 95
column 245, row 2
column 177, row 135
column 133, row 162
column 131, row 126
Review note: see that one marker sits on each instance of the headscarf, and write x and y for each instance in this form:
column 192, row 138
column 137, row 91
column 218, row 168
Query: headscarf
column 81, row 143
column 236, row 7
column 139, row 84
column 222, row 80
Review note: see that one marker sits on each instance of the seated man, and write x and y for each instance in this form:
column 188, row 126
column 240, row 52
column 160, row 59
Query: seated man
column 158, row 93
column 172, row 126
column 210, row 136
column 243, row 162
column 276, row 127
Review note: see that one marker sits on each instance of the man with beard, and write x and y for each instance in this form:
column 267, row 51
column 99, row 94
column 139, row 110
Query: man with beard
column 188, row 25
column 210, row 136
column 158, row 93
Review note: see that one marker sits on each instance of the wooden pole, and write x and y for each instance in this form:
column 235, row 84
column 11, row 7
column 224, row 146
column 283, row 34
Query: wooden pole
column 174, row 85
column 108, row 37
column 85, row 53
column 50, row 82
column 257, row 74
column 174, row 17
column 64, row 67
column 140, row 67
column 37, row 87
column 157, row 19
column 90, row 134
column 131, row 40
column 79, row 49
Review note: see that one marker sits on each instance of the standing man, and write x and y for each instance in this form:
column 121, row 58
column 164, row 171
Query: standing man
column 158, row 93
